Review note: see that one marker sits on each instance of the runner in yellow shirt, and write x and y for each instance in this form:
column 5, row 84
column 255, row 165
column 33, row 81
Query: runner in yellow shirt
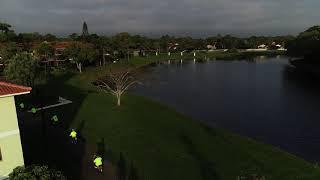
column 98, row 162
column 73, row 135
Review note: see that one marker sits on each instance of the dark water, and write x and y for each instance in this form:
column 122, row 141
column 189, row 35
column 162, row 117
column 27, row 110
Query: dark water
column 262, row 99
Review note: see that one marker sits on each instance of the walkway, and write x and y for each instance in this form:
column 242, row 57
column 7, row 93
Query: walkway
column 61, row 101
column 52, row 146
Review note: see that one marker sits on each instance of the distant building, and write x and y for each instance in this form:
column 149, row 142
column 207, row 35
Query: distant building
column 140, row 52
column 11, row 154
column 211, row 47
column 136, row 53
column 173, row 46
column 262, row 46
column 59, row 47
column 282, row 49
column 85, row 31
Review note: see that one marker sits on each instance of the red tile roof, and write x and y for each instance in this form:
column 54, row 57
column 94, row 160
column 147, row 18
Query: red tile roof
column 61, row 45
column 7, row 89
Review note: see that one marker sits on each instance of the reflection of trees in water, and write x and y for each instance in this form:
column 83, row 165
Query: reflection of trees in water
column 300, row 80
column 180, row 62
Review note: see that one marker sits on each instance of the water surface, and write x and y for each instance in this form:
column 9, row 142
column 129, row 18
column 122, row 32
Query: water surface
column 262, row 99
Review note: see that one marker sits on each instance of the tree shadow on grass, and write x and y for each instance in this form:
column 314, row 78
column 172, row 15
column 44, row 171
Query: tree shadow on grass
column 207, row 167
column 49, row 144
column 101, row 148
column 126, row 171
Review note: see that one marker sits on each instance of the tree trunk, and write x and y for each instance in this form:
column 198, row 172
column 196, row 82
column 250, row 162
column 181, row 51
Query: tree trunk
column 118, row 100
column 79, row 66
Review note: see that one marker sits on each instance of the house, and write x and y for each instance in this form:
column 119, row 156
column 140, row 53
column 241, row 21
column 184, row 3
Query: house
column 11, row 154
column 173, row 46
column 262, row 46
column 140, row 52
column 136, row 53
column 61, row 46
column 211, row 47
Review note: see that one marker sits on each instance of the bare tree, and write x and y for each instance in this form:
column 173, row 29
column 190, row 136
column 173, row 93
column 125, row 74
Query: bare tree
column 117, row 81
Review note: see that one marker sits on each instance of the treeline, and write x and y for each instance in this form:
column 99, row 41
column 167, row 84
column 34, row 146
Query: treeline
column 306, row 45
column 124, row 41
column 85, row 49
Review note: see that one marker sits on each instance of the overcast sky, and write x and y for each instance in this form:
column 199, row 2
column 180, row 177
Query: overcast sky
column 155, row 17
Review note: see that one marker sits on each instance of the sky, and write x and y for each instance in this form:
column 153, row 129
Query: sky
column 197, row 18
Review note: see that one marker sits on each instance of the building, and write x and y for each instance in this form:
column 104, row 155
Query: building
column 59, row 47
column 11, row 154
column 142, row 52
column 173, row 46
column 211, row 47
column 85, row 31
column 136, row 53
column 262, row 46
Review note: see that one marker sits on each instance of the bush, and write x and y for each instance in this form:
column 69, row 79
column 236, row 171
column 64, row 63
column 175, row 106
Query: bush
column 36, row 173
column 307, row 44
column 22, row 69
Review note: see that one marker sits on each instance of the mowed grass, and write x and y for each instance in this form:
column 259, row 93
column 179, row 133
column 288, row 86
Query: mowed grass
column 163, row 144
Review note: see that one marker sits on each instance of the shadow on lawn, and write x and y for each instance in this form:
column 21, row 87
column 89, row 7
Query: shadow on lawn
column 45, row 143
column 207, row 168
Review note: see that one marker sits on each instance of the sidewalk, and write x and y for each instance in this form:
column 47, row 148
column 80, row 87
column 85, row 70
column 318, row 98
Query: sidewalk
column 56, row 150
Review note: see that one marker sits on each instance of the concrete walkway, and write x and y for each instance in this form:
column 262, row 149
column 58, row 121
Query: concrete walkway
column 61, row 101
column 53, row 147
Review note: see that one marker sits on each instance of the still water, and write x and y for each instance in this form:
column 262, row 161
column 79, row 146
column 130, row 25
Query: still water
column 263, row 99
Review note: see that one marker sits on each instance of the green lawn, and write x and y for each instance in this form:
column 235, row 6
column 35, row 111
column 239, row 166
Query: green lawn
column 164, row 144
column 203, row 55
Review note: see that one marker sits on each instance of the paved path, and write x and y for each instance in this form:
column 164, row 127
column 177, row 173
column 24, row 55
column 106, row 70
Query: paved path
column 61, row 101
column 89, row 172
column 54, row 148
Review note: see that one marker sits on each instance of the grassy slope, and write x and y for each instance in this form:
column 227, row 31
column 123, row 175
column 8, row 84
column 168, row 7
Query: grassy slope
column 203, row 55
column 164, row 144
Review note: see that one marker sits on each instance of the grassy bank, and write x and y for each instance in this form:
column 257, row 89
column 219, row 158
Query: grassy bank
column 163, row 144
column 218, row 55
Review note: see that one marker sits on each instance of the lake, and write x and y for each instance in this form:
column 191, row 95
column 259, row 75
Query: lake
column 261, row 98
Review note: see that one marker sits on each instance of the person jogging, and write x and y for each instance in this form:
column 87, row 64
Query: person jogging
column 21, row 105
column 34, row 110
column 55, row 119
column 73, row 136
column 98, row 162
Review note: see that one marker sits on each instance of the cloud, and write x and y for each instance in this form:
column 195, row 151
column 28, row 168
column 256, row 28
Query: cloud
column 179, row 17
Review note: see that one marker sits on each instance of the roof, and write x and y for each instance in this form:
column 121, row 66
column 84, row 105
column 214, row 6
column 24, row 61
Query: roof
column 61, row 45
column 8, row 89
